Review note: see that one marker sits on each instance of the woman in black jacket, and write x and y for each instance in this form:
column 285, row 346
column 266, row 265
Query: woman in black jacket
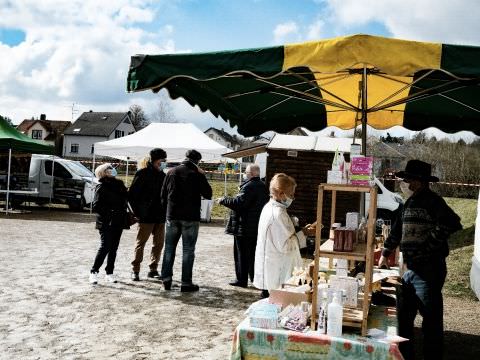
column 110, row 204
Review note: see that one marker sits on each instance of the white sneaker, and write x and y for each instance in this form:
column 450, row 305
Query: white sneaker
column 111, row 278
column 93, row 278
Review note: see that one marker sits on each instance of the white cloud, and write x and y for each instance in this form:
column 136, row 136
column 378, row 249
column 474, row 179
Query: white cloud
column 442, row 21
column 76, row 51
column 285, row 32
column 315, row 30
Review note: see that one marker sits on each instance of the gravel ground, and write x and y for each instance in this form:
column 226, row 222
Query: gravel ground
column 48, row 310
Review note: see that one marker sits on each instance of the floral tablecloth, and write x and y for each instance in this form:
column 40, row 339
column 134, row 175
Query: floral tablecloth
column 278, row 344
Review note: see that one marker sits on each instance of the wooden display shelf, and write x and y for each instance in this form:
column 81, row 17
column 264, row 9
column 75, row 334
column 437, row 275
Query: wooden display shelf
column 358, row 253
column 363, row 252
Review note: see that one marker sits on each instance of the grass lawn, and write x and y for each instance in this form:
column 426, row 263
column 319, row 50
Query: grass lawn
column 461, row 250
column 218, row 211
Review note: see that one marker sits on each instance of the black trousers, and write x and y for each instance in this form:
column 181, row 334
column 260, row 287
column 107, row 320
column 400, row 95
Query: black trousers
column 109, row 240
column 244, row 255
column 421, row 291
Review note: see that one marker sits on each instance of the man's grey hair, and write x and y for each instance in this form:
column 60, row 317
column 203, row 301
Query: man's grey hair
column 254, row 169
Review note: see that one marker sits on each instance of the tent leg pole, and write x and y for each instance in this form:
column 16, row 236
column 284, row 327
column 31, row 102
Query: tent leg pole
column 8, row 180
column 52, row 183
column 126, row 175
column 93, row 189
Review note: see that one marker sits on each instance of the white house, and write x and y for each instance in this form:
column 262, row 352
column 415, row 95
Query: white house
column 223, row 138
column 50, row 131
column 92, row 127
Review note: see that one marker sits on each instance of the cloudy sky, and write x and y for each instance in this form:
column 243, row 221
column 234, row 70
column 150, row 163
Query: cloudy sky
column 55, row 54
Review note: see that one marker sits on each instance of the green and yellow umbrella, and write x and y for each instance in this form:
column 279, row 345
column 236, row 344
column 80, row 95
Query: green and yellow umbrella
column 338, row 82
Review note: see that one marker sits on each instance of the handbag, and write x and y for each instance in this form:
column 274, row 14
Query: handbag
column 131, row 218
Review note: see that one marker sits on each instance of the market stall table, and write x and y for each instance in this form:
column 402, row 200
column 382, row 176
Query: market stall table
column 255, row 343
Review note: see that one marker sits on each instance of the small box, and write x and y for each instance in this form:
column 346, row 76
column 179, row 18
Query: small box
column 334, row 177
column 361, row 165
column 347, row 284
column 353, row 219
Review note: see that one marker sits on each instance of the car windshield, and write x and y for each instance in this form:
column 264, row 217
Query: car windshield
column 79, row 169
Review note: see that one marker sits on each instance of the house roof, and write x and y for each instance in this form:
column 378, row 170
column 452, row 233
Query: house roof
column 225, row 135
column 96, row 123
column 249, row 150
column 309, row 143
column 54, row 127
column 379, row 149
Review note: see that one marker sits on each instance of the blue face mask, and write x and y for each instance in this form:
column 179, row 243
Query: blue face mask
column 163, row 165
column 287, row 202
column 113, row 172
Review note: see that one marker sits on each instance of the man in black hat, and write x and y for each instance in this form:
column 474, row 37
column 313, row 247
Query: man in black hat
column 182, row 192
column 422, row 232
column 145, row 199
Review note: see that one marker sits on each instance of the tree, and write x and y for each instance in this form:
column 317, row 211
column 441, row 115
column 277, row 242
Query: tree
column 164, row 112
column 7, row 119
column 419, row 138
column 138, row 117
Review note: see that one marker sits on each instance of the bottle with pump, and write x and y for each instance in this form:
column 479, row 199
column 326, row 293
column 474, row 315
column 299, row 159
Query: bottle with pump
column 335, row 316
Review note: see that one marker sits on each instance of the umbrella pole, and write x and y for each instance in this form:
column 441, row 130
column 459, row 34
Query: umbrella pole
column 364, row 131
column 8, row 180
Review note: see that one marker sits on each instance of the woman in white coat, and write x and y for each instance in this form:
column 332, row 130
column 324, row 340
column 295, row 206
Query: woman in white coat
column 277, row 251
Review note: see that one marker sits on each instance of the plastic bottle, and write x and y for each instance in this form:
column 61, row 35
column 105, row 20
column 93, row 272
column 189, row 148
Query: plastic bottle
column 322, row 312
column 335, row 316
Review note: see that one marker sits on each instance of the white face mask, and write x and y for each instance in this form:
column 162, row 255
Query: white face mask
column 287, row 202
column 405, row 189
column 244, row 177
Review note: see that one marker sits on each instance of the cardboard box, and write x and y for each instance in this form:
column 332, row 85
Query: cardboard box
column 285, row 297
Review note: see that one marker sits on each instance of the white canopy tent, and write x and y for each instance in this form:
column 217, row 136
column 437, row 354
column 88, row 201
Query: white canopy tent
column 174, row 138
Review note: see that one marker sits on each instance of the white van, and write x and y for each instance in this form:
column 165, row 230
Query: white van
column 61, row 181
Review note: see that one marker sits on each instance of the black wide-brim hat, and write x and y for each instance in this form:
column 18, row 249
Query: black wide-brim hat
column 417, row 169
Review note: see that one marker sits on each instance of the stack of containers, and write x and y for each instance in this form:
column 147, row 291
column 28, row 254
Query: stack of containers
column 361, row 170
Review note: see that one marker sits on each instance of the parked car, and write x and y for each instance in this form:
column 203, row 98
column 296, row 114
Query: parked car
column 61, row 181
column 388, row 203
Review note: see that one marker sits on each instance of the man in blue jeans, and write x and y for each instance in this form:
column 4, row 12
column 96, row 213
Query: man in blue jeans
column 422, row 231
column 182, row 191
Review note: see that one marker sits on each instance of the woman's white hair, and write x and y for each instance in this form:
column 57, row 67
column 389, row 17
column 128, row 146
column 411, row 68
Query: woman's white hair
column 101, row 171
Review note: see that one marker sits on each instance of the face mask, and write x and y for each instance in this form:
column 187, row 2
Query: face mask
column 163, row 165
column 113, row 172
column 405, row 189
column 287, row 202
column 244, row 177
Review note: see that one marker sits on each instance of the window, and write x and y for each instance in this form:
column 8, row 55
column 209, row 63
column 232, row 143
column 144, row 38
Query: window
column 37, row 134
column 58, row 171
column 211, row 136
column 74, row 148
column 119, row 134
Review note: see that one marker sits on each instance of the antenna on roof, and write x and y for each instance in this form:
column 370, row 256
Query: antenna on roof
column 74, row 111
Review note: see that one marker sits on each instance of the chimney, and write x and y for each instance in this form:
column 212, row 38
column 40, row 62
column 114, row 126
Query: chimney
column 43, row 117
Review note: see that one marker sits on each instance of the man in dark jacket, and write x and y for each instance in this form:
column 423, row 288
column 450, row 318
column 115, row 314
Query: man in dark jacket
column 145, row 199
column 243, row 222
column 182, row 193
column 422, row 232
